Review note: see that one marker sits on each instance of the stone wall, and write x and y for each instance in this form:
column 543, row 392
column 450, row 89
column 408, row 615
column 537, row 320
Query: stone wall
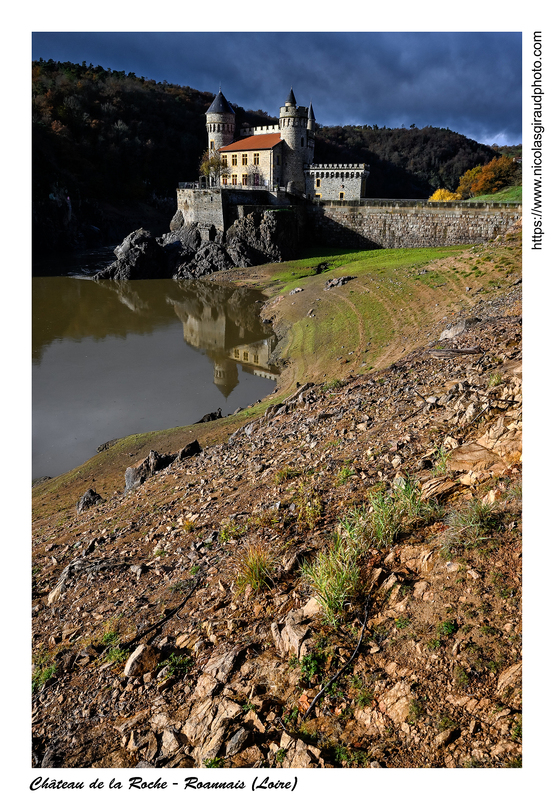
column 201, row 206
column 330, row 181
column 404, row 223
column 362, row 224
column 221, row 207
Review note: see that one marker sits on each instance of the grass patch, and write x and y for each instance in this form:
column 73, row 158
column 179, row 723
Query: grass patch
column 334, row 576
column 469, row 527
column 510, row 194
column 254, row 566
column 177, row 665
column 44, row 668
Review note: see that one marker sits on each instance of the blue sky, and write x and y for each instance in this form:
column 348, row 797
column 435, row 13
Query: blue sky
column 468, row 82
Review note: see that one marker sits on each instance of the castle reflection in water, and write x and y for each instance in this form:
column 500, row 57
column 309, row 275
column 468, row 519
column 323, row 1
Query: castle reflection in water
column 230, row 333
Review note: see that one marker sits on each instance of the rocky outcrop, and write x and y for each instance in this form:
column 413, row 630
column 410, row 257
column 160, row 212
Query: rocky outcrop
column 139, row 256
column 90, row 498
column 265, row 236
column 154, row 462
column 184, row 253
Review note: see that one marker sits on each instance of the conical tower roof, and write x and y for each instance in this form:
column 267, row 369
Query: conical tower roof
column 220, row 105
column 291, row 99
column 311, row 114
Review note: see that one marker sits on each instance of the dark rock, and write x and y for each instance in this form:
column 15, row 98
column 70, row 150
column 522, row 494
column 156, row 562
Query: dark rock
column 271, row 235
column 139, row 256
column 154, row 462
column 142, row 470
column 90, row 498
column 209, row 417
column 106, row 445
column 180, row 246
column 190, row 449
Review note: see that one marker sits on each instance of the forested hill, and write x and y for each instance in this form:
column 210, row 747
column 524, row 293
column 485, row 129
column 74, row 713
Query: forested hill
column 112, row 134
column 101, row 136
column 404, row 162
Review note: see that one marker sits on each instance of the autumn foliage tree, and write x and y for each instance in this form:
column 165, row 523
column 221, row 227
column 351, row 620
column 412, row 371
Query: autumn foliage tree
column 444, row 196
column 489, row 179
column 213, row 167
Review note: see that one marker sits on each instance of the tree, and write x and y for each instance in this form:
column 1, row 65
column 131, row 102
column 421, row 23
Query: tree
column 444, row 196
column 213, row 167
column 489, row 179
column 466, row 182
column 495, row 175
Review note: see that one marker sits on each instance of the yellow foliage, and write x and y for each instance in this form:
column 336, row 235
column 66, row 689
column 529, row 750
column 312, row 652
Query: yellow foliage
column 444, row 196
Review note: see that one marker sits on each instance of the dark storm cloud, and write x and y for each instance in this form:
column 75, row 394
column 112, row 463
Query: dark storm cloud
column 468, row 82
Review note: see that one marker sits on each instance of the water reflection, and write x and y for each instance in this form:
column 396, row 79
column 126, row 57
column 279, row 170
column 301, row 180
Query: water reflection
column 107, row 360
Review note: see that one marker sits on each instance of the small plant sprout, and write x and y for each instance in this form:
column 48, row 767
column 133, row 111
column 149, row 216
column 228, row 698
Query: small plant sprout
column 442, row 457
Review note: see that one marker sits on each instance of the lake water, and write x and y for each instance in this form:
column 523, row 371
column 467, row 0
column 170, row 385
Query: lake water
column 115, row 358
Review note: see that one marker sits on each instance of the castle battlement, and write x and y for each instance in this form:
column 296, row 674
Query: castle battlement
column 335, row 167
column 250, row 131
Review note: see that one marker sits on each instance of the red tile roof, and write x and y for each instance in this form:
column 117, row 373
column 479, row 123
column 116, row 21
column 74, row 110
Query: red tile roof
column 264, row 141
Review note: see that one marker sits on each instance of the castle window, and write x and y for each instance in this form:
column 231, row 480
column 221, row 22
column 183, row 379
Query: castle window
column 237, row 352
column 223, row 161
column 256, row 159
column 277, row 160
column 256, row 359
column 317, row 183
column 211, row 144
column 244, row 159
column 245, row 179
column 224, row 180
column 234, row 180
column 341, row 195
column 245, row 356
column 234, row 160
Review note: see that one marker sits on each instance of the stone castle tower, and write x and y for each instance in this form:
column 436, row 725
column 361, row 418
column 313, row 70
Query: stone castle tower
column 296, row 125
column 220, row 123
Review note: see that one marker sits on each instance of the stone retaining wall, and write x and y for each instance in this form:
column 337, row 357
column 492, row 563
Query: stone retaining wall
column 371, row 223
column 362, row 224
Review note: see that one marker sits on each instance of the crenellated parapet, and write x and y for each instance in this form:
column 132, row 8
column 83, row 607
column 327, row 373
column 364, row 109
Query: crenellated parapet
column 344, row 182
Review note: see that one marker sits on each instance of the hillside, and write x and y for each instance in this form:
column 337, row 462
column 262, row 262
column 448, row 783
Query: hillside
column 117, row 145
column 335, row 580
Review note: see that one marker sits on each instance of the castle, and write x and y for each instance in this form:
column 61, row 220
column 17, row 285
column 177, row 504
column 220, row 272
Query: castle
column 278, row 157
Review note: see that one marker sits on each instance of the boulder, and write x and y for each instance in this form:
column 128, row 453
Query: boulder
column 144, row 659
column 473, row 456
column 142, row 470
column 177, row 221
column 332, row 283
column 271, row 235
column 180, row 245
column 89, row 499
column 139, row 256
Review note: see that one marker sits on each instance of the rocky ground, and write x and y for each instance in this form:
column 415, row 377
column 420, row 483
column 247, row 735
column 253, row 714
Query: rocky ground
column 175, row 624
